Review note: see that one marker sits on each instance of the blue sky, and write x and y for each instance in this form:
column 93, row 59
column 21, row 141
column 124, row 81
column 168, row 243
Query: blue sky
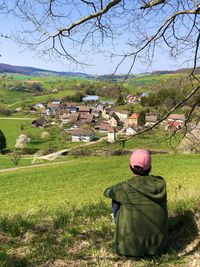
column 14, row 54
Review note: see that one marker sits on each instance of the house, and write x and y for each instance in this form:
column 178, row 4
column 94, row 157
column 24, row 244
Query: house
column 99, row 108
column 39, row 106
column 132, row 99
column 105, row 115
column 53, row 108
column 56, row 101
column 129, row 131
column 73, row 117
column 96, row 113
column 90, row 98
column 82, row 135
column 84, row 109
column 72, row 107
column 122, row 115
column 104, row 127
column 107, row 112
column 64, row 116
column 86, row 118
column 175, row 121
column 38, row 123
column 133, row 119
column 111, row 135
column 114, row 121
column 107, row 102
column 151, row 118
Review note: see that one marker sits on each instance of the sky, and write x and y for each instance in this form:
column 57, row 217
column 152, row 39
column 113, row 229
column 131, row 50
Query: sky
column 14, row 54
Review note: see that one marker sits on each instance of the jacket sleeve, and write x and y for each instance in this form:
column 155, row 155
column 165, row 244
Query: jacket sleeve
column 115, row 192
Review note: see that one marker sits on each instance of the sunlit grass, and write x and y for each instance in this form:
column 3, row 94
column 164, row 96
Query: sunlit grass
column 82, row 181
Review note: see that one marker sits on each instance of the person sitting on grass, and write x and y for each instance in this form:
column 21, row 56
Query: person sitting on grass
column 140, row 210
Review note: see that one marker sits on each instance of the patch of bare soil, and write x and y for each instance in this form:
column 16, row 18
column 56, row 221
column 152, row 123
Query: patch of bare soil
column 4, row 239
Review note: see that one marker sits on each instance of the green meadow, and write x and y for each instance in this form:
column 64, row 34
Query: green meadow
column 60, row 210
column 14, row 98
column 152, row 79
column 11, row 129
column 81, row 182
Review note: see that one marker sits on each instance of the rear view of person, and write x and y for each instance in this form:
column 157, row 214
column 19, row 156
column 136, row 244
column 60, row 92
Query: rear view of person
column 141, row 217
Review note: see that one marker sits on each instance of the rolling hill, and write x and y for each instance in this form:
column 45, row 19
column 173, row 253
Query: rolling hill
column 7, row 68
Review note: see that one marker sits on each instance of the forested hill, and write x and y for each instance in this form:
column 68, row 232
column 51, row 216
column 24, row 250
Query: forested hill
column 6, row 68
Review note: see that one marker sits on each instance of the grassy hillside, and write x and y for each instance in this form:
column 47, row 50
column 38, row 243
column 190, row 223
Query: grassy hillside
column 11, row 129
column 78, row 182
column 63, row 84
column 60, row 210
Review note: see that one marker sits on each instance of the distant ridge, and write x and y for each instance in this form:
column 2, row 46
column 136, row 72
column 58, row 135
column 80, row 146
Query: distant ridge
column 183, row 70
column 30, row 71
column 6, row 68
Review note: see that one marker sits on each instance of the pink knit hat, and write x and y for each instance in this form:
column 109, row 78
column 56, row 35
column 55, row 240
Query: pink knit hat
column 142, row 158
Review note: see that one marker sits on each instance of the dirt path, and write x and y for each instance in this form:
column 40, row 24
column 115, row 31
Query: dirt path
column 16, row 118
column 34, row 166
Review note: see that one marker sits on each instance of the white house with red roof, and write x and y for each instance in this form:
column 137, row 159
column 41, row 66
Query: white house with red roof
column 175, row 121
column 134, row 119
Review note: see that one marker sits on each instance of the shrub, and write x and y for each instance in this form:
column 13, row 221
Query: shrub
column 2, row 141
column 45, row 135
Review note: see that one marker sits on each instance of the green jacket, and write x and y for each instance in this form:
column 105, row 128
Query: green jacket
column 141, row 227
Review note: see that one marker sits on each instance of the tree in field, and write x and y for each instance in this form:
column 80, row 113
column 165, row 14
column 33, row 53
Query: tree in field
column 2, row 141
column 22, row 141
column 129, row 32
column 15, row 157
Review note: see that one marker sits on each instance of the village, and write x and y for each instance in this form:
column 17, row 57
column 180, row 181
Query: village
column 92, row 119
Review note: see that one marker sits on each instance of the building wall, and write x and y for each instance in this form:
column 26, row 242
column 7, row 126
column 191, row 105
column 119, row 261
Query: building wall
column 111, row 137
column 82, row 138
column 133, row 121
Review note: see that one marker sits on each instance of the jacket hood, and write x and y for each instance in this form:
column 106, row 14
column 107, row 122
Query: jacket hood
column 152, row 187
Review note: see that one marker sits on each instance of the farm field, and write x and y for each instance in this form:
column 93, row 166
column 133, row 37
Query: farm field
column 61, row 209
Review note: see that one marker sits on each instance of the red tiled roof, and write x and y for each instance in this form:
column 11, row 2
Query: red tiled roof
column 175, row 123
column 134, row 116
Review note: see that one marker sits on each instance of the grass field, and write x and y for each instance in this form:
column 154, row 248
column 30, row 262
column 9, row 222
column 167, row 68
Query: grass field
column 6, row 162
column 60, row 210
column 63, row 84
column 79, row 182
column 11, row 129
column 152, row 79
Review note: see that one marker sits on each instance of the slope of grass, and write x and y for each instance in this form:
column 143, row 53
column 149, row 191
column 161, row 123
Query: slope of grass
column 11, row 129
column 79, row 182
column 6, row 162
column 60, row 210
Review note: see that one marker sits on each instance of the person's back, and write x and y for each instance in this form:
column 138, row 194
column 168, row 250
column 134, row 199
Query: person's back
column 141, row 223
